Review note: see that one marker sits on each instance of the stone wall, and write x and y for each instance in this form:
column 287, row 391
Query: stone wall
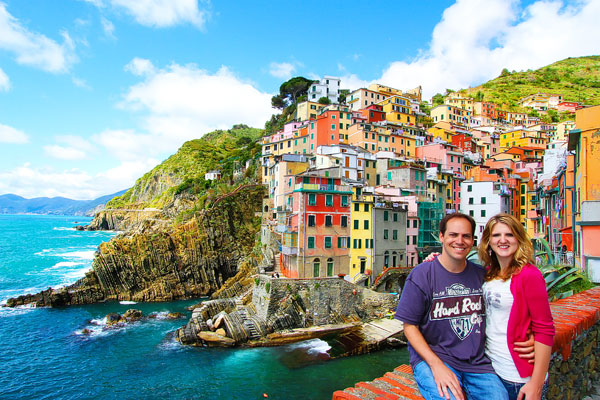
column 574, row 367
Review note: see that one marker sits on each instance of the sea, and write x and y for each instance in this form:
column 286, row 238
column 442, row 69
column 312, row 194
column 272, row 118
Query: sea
column 70, row 353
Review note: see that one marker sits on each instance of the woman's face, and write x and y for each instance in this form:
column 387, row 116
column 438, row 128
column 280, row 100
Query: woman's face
column 503, row 241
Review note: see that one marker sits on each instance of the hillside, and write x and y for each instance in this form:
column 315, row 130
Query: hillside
column 577, row 79
column 13, row 204
column 183, row 172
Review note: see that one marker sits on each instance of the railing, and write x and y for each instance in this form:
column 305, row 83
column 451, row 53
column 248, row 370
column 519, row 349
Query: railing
column 322, row 187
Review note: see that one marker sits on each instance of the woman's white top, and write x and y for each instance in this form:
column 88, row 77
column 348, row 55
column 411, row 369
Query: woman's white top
column 498, row 302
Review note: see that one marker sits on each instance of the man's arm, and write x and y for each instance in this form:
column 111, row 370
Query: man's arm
column 526, row 349
column 445, row 379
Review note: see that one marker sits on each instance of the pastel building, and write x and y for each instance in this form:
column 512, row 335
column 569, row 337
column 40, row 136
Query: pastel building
column 482, row 200
column 328, row 87
column 317, row 237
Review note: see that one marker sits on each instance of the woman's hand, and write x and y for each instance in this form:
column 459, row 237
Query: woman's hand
column 531, row 391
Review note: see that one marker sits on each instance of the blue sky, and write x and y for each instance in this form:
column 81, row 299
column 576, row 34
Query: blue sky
column 94, row 93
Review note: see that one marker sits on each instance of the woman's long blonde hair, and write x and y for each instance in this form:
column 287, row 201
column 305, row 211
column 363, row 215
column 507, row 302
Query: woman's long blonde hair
column 488, row 257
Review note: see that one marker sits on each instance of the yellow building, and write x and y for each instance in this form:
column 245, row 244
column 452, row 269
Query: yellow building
column 562, row 130
column 448, row 113
column 522, row 138
column 308, row 110
column 361, row 235
column 397, row 110
column 458, row 100
column 439, row 131
column 585, row 141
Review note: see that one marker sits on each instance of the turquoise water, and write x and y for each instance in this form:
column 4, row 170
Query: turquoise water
column 44, row 355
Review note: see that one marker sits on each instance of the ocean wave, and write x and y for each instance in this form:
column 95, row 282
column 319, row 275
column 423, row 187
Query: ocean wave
column 125, row 302
column 63, row 264
column 63, row 228
column 82, row 254
column 312, row 346
column 6, row 312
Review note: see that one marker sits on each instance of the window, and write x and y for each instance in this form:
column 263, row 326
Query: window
column 311, row 242
column 330, row 267
column 415, row 223
column 385, row 233
column 471, row 213
column 344, row 201
column 395, row 217
column 483, row 213
column 328, row 220
column 312, row 199
column 470, row 200
column 385, row 215
column 344, row 221
column 312, row 220
column 366, row 224
column 469, row 188
column 366, row 208
column 483, row 200
column 328, row 244
column 333, row 127
column 329, row 200
column 356, row 207
column 356, row 222
column 395, row 234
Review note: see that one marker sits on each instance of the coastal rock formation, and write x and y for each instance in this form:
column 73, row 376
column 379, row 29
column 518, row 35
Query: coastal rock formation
column 280, row 311
column 185, row 260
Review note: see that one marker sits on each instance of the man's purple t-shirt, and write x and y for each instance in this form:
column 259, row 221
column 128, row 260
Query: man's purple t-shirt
column 448, row 308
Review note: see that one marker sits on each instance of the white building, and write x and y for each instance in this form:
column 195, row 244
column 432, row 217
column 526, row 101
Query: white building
column 328, row 87
column 482, row 200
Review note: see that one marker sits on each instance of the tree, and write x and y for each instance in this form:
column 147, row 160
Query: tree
column 324, row 100
column 505, row 72
column 343, row 95
column 278, row 102
column 294, row 88
column 479, row 96
column 437, row 99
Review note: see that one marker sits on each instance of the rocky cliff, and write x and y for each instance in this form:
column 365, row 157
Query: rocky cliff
column 190, row 259
column 182, row 236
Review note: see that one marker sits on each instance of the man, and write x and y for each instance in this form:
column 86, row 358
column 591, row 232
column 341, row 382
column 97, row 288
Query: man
column 444, row 320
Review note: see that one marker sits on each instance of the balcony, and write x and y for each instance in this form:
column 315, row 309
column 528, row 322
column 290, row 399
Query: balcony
column 315, row 187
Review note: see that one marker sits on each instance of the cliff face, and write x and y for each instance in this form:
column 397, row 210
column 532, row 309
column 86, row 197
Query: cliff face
column 185, row 260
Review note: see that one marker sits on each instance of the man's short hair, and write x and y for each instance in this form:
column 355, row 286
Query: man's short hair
column 448, row 217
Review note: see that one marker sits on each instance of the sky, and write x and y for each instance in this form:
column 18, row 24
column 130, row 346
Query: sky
column 94, row 93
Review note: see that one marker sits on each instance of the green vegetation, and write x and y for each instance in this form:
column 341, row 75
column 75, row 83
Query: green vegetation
column 291, row 93
column 183, row 172
column 561, row 280
column 577, row 79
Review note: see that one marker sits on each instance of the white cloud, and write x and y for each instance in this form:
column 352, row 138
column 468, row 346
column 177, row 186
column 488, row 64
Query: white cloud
column 163, row 13
column 140, row 66
column 352, row 82
column 32, row 48
column 11, row 135
column 81, row 83
column 185, row 102
column 476, row 39
column 4, row 81
column 108, row 27
column 64, row 153
column 282, row 70
column 29, row 181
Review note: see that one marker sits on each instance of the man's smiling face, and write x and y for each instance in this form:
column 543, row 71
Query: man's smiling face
column 458, row 239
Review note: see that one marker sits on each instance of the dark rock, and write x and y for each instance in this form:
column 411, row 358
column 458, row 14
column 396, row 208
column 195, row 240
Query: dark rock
column 113, row 319
column 132, row 315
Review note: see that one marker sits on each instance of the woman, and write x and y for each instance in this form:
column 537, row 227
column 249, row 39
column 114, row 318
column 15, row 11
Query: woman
column 515, row 300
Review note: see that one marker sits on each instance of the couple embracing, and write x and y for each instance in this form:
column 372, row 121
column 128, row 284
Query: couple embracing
column 467, row 325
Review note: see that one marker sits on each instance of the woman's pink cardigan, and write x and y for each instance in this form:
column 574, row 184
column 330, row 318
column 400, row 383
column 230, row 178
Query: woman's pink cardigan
column 530, row 309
